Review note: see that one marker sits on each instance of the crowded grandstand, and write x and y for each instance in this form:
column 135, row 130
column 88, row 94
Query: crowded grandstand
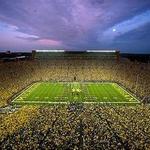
column 74, row 125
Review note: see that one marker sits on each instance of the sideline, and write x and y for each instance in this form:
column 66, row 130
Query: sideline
column 47, row 102
column 128, row 93
column 25, row 90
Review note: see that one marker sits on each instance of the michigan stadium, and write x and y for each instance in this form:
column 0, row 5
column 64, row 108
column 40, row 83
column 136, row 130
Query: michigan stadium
column 67, row 80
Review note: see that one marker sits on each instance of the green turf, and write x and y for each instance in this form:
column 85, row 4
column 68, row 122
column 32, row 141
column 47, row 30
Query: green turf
column 87, row 92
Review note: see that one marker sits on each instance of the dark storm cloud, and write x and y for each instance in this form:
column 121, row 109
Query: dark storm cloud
column 74, row 24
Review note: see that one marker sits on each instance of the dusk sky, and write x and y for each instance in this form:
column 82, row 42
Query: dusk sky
column 75, row 25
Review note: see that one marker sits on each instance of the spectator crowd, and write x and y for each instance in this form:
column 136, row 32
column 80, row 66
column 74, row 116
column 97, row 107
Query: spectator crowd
column 75, row 126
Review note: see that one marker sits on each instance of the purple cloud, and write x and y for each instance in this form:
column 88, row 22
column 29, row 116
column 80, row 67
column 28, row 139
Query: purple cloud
column 64, row 23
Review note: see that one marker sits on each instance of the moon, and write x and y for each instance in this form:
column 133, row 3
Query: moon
column 114, row 30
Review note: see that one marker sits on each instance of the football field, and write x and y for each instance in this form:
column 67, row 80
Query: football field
column 66, row 92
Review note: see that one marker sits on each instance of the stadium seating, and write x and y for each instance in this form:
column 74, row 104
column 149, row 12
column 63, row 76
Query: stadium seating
column 75, row 126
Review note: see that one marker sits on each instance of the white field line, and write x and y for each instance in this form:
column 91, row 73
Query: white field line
column 128, row 92
column 22, row 92
column 46, row 102
column 97, row 82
